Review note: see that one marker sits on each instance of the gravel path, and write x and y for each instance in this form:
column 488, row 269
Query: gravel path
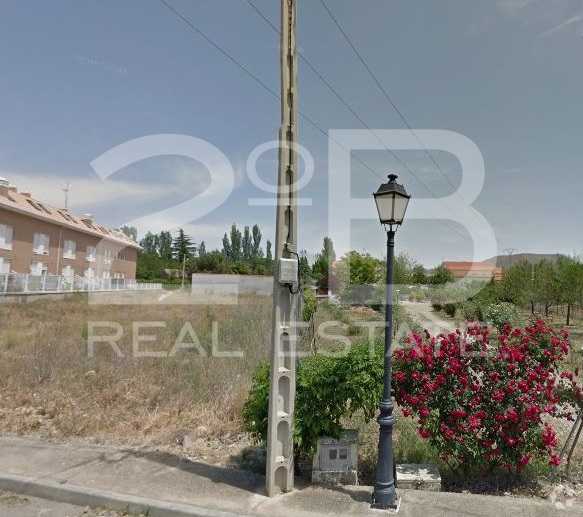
column 423, row 313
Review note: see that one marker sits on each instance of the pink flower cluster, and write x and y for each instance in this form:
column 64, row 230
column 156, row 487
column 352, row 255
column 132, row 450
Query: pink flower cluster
column 481, row 401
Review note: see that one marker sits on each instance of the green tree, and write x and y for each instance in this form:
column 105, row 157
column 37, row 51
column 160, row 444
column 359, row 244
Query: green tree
column 408, row 271
column 227, row 247
column 236, row 243
column 402, row 266
column 570, row 279
column 441, row 275
column 182, row 247
column 309, row 306
column 517, row 284
column 321, row 266
column 418, row 274
column 257, row 252
column 305, row 271
column 246, row 245
column 232, row 244
column 164, row 243
column 149, row 266
column 546, row 284
column 149, row 244
column 358, row 273
column 210, row 262
column 130, row 231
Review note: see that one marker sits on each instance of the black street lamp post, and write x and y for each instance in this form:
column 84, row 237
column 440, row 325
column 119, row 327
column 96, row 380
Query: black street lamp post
column 391, row 200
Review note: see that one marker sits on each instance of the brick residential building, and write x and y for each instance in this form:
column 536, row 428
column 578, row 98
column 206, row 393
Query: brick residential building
column 39, row 239
column 473, row 270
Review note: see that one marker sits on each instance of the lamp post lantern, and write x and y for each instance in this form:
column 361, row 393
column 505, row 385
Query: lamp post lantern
column 391, row 199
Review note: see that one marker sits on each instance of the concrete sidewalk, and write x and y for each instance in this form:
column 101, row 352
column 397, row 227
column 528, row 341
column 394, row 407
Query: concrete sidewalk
column 160, row 484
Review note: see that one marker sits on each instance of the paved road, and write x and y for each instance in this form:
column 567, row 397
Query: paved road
column 423, row 313
column 16, row 505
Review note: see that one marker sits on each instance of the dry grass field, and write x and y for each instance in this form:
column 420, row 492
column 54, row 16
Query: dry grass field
column 78, row 369
column 60, row 378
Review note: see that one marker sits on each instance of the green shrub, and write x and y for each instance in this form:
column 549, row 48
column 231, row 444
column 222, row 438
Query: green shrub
column 450, row 309
column 310, row 305
column 417, row 295
column 472, row 310
column 498, row 314
column 437, row 306
column 256, row 408
column 328, row 389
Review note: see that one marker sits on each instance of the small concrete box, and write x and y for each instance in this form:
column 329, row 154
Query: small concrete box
column 336, row 461
column 419, row 476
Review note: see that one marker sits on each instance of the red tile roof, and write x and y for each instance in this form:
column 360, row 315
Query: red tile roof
column 473, row 270
column 24, row 203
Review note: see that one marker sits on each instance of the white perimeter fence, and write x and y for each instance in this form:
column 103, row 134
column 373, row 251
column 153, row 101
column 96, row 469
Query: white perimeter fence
column 16, row 283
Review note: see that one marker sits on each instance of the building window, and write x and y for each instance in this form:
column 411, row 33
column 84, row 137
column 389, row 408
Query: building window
column 69, row 248
column 107, row 257
column 89, row 272
column 5, row 237
column 5, row 266
column 119, row 274
column 40, row 244
column 121, row 256
column 68, row 271
column 105, row 274
column 39, row 268
column 90, row 254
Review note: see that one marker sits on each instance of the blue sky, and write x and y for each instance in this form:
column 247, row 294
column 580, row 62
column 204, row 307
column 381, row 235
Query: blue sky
column 81, row 78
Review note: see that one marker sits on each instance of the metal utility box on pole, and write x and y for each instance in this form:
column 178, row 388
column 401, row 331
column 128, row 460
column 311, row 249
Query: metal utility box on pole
column 282, row 382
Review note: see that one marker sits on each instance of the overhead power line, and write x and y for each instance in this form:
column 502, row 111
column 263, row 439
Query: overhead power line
column 221, row 50
column 360, row 119
column 249, row 73
column 392, row 102
column 384, row 92
column 253, row 76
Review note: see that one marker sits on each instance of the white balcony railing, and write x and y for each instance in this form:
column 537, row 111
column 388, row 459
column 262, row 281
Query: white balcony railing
column 14, row 283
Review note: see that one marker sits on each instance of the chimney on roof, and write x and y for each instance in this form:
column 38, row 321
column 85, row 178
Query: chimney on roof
column 25, row 194
column 4, row 186
column 12, row 188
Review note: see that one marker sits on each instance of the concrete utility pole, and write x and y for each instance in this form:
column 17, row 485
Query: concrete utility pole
column 282, row 382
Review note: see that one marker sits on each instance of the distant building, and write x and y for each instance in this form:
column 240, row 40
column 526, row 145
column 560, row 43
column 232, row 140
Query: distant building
column 39, row 239
column 473, row 270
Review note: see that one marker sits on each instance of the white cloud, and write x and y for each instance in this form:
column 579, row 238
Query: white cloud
column 84, row 193
column 539, row 15
column 562, row 25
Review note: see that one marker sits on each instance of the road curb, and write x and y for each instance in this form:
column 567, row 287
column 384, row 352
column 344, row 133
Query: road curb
column 84, row 496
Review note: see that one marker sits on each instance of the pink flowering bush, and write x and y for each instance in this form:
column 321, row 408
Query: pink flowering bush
column 482, row 403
